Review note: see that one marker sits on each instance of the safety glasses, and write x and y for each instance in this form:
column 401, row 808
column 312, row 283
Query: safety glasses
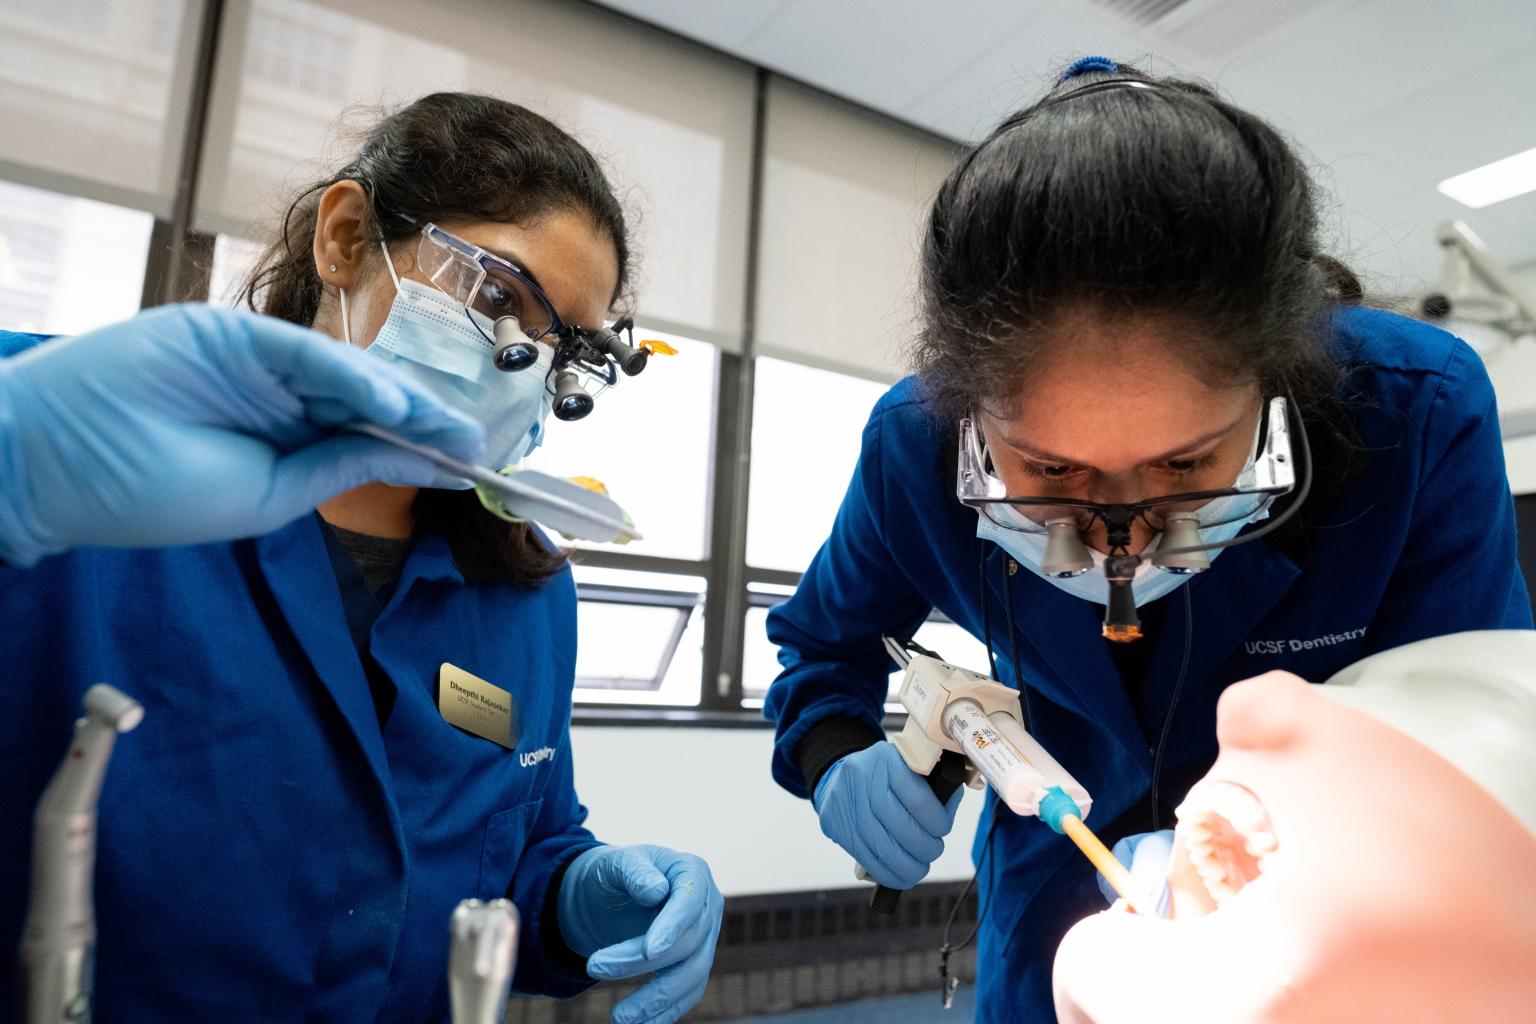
column 486, row 284
column 1267, row 475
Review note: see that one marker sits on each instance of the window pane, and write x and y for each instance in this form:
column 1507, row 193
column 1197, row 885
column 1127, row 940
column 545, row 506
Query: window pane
column 86, row 88
column 806, row 427
column 633, row 644
column 945, row 639
column 233, row 259
column 648, row 439
column 640, row 638
column 68, row 265
column 759, row 658
column 955, row 645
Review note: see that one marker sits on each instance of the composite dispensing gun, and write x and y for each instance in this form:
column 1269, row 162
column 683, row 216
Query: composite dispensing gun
column 965, row 728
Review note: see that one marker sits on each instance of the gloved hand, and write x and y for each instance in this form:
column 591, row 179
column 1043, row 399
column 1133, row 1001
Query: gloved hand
column 1146, row 855
column 883, row 813
column 635, row 910
column 190, row 424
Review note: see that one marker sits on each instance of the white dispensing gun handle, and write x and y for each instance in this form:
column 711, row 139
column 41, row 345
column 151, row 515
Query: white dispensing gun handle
column 962, row 726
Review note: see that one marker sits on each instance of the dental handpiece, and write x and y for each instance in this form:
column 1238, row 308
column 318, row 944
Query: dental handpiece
column 59, row 938
column 481, row 958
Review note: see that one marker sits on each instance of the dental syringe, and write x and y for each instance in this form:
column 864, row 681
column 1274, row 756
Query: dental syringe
column 952, row 709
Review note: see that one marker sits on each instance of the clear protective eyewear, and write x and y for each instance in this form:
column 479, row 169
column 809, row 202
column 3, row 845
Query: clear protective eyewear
column 484, row 283
column 1269, row 473
column 515, row 314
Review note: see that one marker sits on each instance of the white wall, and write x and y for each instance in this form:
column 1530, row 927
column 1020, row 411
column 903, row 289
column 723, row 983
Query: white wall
column 1513, row 371
column 708, row 791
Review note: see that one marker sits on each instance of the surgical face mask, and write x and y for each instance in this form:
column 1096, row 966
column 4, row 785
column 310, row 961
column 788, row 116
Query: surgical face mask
column 431, row 337
column 1150, row 583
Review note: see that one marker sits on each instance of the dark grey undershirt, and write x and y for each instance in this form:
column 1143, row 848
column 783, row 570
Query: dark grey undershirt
column 378, row 558
column 366, row 570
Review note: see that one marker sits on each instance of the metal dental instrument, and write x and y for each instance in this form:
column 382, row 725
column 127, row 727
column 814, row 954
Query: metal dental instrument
column 59, row 939
column 573, row 510
column 480, row 960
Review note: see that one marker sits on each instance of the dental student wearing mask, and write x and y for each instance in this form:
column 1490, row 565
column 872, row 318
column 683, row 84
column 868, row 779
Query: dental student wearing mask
column 293, row 824
column 1125, row 302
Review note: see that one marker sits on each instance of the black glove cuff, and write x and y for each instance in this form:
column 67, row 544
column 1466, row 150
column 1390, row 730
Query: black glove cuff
column 829, row 741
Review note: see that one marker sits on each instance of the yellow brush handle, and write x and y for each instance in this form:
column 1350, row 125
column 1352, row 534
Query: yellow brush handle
column 1102, row 859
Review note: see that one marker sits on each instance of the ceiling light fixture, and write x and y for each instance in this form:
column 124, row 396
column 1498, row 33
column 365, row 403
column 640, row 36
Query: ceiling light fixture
column 1495, row 182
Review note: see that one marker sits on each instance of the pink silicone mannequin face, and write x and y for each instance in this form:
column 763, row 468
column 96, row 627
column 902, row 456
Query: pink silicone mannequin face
column 1327, row 868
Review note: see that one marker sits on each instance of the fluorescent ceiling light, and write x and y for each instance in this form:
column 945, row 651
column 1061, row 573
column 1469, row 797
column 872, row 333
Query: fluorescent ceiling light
column 1495, row 182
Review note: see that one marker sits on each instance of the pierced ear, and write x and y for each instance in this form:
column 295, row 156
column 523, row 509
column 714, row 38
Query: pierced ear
column 341, row 234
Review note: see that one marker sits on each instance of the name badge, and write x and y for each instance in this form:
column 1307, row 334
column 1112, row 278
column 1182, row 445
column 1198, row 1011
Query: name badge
column 476, row 706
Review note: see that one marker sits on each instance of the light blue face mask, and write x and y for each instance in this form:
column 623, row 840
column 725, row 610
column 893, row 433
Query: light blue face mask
column 1027, row 547
column 431, row 337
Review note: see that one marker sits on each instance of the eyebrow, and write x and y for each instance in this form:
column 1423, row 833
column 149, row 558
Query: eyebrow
column 1057, row 460
column 517, row 261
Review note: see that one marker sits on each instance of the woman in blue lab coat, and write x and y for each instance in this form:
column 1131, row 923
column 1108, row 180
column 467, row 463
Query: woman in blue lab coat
column 287, row 834
column 1118, row 284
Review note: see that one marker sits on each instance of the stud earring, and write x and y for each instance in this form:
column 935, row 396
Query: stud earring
column 333, row 268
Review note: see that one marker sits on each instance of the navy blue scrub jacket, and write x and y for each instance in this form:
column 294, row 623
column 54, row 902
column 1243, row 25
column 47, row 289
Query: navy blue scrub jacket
column 268, row 851
column 1419, row 543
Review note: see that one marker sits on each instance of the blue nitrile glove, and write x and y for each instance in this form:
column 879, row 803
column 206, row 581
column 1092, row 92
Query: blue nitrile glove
column 190, row 424
column 1146, row 855
column 883, row 813
column 634, row 910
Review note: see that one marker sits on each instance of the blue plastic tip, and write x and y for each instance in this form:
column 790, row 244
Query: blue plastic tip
column 1057, row 805
column 1089, row 65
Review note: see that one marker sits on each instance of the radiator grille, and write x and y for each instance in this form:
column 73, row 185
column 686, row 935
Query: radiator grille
column 790, row 951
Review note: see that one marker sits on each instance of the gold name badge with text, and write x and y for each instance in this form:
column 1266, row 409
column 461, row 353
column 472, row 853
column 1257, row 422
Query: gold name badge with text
column 476, row 706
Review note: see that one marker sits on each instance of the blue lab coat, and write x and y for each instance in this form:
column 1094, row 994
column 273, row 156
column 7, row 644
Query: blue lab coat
column 1419, row 543
column 268, row 851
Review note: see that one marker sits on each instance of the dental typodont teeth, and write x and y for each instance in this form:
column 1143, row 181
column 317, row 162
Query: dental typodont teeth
column 1227, row 836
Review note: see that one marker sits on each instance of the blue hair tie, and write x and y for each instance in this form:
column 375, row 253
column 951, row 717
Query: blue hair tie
column 1087, row 65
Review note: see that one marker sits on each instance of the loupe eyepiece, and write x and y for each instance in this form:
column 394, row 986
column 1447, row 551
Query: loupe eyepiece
column 571, row 400
column 610, row 340
column 1065, row 554
column 1181, row 532
column 513, row 349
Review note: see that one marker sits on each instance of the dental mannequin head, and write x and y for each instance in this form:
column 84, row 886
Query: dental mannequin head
column 494, row 174
column 1330, row 867
column 1113, row 282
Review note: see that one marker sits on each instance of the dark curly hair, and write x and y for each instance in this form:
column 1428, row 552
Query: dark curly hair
column 451, row 156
